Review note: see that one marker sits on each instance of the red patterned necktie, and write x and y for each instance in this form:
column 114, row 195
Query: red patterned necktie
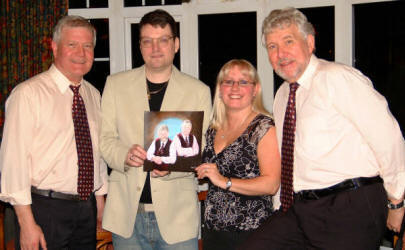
column 83, row 145
column 287, row 151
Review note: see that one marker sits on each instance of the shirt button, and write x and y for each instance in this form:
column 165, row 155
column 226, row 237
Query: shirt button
column 138, row 189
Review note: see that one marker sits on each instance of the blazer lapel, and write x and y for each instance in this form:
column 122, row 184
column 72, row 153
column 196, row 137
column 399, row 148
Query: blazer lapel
column 138, row 89
column 174, row 95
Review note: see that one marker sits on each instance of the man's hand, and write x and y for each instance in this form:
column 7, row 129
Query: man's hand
column 31, row 235
column 136, row 156
column 100, row 211
column 394, row 219
column 157, row 173
column 157, row 160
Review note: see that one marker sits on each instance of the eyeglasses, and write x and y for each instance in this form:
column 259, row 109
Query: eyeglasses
column 163, row 41
column 241, row 83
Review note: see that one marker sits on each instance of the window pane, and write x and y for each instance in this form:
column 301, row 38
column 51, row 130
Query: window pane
column 98, row 3
column 77, row 4
column 380, row 49
column 136, row 53
column 234, row 36
column 132, row 3
column 323, row 20
column 98, row 74
column 102, row 49
column 153, row 2
column 172, row 2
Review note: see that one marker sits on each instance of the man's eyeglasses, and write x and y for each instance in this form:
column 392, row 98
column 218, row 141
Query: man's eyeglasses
column 241, row 83
column 163, row 41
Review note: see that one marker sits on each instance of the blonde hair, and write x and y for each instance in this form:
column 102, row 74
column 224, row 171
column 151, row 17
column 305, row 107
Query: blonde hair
column 218, row 115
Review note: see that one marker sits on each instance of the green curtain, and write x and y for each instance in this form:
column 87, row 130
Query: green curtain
column 26, row 34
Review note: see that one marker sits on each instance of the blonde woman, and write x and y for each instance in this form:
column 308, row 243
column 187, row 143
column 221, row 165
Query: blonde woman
column 241, row 159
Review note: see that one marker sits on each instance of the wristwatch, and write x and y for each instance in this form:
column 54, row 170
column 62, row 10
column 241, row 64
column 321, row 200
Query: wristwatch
column 228, row 184
column 395, row 206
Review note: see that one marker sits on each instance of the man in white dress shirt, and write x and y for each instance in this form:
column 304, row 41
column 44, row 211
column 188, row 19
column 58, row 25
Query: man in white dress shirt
column 39, row 158
column 348, row 151
column 186, row 144
column 162, row 151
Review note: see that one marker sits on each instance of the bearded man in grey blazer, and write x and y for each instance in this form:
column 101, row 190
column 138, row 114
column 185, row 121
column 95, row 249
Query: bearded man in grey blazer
column 162, row 202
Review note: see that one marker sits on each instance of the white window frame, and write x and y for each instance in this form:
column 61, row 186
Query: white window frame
column 120, row 19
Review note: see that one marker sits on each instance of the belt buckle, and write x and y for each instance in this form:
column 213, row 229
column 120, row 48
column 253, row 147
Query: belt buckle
column 308, row 195
column 313, row 195
column 356, row 183
column 50, row 194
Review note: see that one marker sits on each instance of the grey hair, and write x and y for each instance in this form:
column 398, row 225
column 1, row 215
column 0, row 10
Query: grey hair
column 163, row 127
column 71, row 22
column 282, row 18
column 186, row 122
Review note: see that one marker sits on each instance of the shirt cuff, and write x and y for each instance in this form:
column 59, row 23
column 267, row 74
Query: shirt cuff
column 22, row 197
column 103, row 190
column 395, row 186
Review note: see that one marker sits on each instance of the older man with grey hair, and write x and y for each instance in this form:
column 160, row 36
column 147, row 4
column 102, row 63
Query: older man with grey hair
column 342, row 150
column 162, row 151
column 185, row 142
column 51, row 168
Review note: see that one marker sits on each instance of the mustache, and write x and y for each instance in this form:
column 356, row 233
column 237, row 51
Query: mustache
column 283, row 61
column 79, row 61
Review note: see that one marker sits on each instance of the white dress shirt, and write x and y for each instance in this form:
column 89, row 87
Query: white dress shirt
column 186, row 152
column 165, row 159
column 344, row 129
column 38, row 146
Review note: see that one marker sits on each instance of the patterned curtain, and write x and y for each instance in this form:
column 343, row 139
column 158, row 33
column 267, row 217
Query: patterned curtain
column 25, row 48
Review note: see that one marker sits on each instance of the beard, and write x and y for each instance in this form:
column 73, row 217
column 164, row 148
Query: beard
column 289, row 77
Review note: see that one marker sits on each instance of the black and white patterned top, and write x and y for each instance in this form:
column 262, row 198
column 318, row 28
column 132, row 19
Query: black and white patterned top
column 226, row 210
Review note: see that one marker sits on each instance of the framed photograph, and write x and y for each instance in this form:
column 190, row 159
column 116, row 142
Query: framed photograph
column 173, row 140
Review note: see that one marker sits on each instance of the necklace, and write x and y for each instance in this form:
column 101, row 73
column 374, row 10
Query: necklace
column 149, row 93
column 223, row 136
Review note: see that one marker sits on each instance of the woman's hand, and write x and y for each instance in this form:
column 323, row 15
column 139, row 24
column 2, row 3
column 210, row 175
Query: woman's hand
column 210, row 170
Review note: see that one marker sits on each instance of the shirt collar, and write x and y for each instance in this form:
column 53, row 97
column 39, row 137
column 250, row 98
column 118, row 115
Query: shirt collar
column 60, row 79
column 306, row 78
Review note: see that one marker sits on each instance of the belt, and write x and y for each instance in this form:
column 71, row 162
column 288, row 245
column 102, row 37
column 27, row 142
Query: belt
column 346, row 185
column 55, row 195
column 145, row 207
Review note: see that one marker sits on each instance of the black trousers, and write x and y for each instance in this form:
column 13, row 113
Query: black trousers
column 222, row 240
column 66, row 224
column 351, row 220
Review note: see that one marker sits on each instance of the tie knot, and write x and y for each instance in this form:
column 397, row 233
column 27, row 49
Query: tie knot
column 294, row 86
column 75, row 89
